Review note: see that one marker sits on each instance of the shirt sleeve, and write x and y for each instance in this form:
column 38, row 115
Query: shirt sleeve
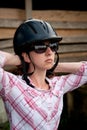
column 70, row 82
column 5, row 77
column 73, row 81
column 2, row 60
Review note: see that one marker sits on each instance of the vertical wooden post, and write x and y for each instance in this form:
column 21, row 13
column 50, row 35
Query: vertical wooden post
column 28, row 9
column 3, row 115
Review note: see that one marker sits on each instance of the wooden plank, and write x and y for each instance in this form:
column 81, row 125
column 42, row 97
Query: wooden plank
column 70, row 57
column 72, row 48
column 48, row 15
column 6, row 33
column 10, row 23
column 28, row 9
column 68, row 24
column 60, row 15
column 74, row 35
column 74, row 39
column 71, row 33
column 10, row 50
column 65, row 41
column 8, row 13
column 56, row 25
column 8, row 43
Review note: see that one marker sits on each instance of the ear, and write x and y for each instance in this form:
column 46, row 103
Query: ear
column 26, row 57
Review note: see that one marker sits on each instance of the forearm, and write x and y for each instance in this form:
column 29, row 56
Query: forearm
column 10, row 59
column 68, row 67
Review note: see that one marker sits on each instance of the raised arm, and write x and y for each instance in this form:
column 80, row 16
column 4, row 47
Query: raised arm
column 68, row 67
column 10, row 59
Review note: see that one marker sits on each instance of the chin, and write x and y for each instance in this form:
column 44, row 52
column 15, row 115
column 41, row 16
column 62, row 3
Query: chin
column 49, row 67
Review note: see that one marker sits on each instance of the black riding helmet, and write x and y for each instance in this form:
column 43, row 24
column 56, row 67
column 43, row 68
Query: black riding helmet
column 32, row 31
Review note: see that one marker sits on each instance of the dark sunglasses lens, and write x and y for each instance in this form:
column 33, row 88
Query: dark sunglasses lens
column 54, row 46
column 40, row 48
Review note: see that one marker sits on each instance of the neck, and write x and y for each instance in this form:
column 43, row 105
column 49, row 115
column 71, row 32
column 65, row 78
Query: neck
column 39, row 81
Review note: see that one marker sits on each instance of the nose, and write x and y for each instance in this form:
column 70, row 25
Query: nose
column 48, row 50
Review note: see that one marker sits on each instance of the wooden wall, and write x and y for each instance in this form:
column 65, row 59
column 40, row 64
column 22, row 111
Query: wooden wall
column 71, row 25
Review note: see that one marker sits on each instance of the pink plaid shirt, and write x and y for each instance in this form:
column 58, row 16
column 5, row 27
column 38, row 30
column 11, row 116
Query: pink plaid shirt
column 33, row 109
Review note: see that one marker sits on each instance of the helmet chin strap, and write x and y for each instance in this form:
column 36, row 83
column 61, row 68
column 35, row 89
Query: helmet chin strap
column 50, row 71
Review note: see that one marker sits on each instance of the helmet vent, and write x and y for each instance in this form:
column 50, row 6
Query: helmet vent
column 33, row 29
column 46, row 27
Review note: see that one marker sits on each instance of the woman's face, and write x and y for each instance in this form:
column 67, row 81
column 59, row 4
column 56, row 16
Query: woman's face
column 42, row 61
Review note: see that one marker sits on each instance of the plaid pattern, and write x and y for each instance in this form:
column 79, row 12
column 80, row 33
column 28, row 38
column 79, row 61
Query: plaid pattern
column 34, row 109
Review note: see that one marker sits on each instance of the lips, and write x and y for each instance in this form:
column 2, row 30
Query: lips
column 49, row 60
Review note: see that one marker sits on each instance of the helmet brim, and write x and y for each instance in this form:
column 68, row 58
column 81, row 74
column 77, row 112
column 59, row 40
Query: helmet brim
column 53, row 39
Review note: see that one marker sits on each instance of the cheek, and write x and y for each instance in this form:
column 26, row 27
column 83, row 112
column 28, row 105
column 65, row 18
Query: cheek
column 35, row 58
column 40, row 59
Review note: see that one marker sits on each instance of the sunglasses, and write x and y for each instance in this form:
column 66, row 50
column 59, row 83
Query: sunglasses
column 42, row 47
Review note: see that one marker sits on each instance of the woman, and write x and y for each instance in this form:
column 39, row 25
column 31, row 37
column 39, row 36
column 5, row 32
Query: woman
column 34, row 99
